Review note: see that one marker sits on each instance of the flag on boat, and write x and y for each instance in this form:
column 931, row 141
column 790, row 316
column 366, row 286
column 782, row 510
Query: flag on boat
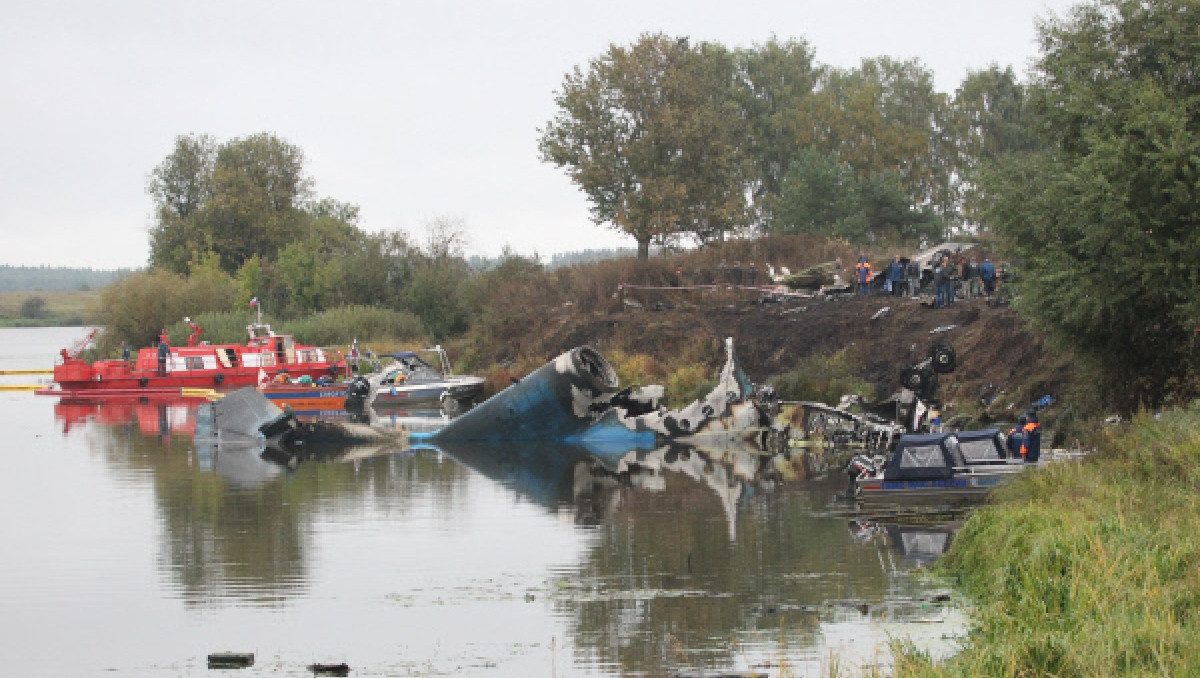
column 254, row 301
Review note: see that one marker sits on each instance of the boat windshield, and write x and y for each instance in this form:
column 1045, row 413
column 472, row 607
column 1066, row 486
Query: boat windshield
column 978, row 450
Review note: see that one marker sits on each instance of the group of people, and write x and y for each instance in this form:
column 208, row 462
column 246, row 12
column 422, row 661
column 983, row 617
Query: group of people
column 904, row 278
column 977, row 279
column 1025, row 439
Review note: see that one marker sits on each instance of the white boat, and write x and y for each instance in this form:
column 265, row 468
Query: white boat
column 411, row 382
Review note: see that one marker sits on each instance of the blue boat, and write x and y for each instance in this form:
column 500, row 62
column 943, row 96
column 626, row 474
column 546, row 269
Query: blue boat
column 931, row 470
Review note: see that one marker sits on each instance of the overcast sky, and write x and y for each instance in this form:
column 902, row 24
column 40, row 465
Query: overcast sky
column 412, row 110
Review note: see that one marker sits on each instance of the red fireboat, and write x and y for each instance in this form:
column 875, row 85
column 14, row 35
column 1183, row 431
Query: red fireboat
column 199, row 365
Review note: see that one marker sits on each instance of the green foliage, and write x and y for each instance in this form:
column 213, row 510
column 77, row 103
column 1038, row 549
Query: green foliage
column 434, row 296
column 339, row 326
column 1088, row 569
column 822, row 379
column 138, row 307
column 650, row 133
column 246, row 197
column 34, row 306
column 1104, row 219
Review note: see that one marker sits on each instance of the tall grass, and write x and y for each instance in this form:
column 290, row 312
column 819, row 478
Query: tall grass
column 1088, row 569
column 820, row 378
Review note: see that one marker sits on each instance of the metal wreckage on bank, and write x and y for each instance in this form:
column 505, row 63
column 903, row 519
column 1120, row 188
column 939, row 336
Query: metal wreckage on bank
column 574, row 406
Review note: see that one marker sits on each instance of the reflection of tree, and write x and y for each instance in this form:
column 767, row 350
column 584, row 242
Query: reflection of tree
column 664, row 574
column 250, row 543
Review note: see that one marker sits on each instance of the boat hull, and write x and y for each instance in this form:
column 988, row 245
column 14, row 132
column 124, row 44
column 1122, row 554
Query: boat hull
column 958, row 490
column 430, row 394
column 306, row 397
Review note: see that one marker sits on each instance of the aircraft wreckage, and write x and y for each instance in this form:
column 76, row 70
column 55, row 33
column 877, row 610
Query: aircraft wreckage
column 574, row 401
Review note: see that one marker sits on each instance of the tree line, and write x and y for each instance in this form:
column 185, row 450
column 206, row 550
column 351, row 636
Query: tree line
column 1085, row 173
column 672, row 140
column 55, row 278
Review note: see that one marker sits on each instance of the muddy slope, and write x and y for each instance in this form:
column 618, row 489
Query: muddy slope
column 996, row 352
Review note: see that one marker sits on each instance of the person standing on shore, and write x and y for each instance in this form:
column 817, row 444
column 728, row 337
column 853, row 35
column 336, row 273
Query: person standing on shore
column 987, row 273
column 862, row 273
column 896, row 276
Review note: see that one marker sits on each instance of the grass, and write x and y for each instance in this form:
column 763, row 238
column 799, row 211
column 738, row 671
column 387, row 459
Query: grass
column 1088, row 569
column 60, row 308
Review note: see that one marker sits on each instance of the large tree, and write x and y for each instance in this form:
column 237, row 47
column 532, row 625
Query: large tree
column 246, row 197
column 774, row 81
column 650, row 133
column 1106, row 220
column 993, row 120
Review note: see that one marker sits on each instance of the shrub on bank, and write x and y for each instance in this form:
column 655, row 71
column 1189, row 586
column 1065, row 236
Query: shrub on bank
column 1087, row 569
column 820, row 378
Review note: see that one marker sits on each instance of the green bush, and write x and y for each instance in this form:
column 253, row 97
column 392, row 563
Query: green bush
column 1088, row 569
column 822, row 379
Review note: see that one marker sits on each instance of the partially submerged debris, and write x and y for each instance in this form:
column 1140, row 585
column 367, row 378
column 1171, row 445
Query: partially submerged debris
column 230, row 660
column 575, row 399
column 246, row 420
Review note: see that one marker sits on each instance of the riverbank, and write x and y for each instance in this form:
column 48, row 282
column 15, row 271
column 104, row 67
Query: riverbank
column 1090, row 568
column 40, row 308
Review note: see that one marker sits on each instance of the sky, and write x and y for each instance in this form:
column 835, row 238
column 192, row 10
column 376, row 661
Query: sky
column 414, row 110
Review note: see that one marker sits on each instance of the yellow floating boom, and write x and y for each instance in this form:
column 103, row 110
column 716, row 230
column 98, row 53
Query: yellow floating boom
column 21, row 387
column 29, row 371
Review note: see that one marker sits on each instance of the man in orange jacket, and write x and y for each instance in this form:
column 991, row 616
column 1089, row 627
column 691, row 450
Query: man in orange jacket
column 1032, row 448
column 862, row 273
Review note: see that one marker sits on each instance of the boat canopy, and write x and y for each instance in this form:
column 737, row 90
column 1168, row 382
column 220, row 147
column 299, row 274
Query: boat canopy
column 924, row 457
column 982, row 446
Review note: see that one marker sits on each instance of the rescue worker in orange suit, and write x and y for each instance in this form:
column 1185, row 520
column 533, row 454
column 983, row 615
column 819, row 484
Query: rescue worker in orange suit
column 1033, row 438
column 862, row 273
column 1016, row 439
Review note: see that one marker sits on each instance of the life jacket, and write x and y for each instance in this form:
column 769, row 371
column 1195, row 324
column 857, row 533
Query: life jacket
column 1013, row 436
column 1031, row 427
column 863, row 269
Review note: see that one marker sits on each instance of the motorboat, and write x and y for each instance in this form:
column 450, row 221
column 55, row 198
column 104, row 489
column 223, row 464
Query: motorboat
column 195, row 365
column 410, row 381
column 927, row 469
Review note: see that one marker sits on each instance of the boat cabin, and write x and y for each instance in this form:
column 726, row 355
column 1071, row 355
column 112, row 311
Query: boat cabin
column 985, row 446
column 933, row 456
column 408, row 368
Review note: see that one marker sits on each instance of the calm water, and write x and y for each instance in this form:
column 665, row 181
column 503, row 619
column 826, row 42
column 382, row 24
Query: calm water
column 126, row 551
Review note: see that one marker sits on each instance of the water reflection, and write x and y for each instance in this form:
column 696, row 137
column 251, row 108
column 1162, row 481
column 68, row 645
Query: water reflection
column 690, row 558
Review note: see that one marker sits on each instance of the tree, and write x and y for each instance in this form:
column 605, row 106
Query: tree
column 1105, row 218
column 774, row 80
column 993, row 120
column 246, row 197
column 649, row 133
column 33, row 307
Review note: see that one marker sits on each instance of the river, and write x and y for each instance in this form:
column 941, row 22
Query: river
column 128, row 552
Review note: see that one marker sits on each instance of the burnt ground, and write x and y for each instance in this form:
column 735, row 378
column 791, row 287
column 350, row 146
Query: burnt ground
column 998, row 356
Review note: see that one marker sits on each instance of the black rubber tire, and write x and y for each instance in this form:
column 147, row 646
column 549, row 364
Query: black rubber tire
column 943, row 358
column 912, row 379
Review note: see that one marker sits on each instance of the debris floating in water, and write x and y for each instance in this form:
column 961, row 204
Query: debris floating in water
column 230, row 660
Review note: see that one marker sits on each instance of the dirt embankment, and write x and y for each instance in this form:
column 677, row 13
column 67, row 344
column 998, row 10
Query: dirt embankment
column 999, row 359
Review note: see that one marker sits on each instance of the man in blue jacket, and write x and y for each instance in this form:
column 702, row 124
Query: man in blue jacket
column 987, row 273
column 896, row 277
